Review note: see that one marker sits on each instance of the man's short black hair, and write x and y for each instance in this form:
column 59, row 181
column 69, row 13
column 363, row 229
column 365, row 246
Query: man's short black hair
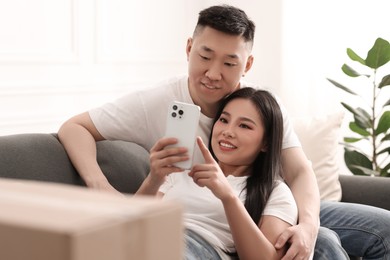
column 227, row 19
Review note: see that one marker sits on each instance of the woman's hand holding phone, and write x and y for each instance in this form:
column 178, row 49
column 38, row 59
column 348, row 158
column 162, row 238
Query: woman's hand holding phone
column 164, row 156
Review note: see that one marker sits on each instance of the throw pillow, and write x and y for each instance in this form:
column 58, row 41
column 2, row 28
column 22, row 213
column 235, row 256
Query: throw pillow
column 320, row 136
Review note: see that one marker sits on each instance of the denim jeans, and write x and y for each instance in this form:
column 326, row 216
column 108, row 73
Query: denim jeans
column 197, row 248
column 363, row 231
column 328, row 246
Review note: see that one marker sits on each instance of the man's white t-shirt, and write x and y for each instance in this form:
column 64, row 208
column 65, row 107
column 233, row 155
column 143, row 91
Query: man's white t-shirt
column 140, row 117
column 204, row 213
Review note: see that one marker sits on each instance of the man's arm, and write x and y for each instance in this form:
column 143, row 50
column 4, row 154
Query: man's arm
column 300, row 177
column 78, row 135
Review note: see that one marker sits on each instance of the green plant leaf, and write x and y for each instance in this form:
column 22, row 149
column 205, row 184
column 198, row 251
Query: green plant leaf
column 354, row 158
column 385, row 150
column 384, row 123
column 365, row 170
column 353, row 56
column 386, row 138
column 385, row 171
column 349, row 146
column 362, row 118
column 385, row 174
column 351, row 72
column 385, row 81
column 387, row 103
column 379, row 54
column 352, row 139
column 341, row 86
column 348, row 107
column 355, row 128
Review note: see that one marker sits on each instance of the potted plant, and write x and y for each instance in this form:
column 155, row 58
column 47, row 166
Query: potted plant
column 371, row 122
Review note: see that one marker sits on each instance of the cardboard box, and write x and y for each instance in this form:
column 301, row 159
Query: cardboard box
column 46, row 221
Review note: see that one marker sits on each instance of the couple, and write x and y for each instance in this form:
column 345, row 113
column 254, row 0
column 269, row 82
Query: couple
column 219, row 54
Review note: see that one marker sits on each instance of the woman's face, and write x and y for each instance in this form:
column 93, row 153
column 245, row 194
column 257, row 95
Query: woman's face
column 238, row 134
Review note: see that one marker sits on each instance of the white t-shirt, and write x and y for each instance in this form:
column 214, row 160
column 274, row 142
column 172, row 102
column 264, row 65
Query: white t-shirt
column 204, row 213
column 140, row 117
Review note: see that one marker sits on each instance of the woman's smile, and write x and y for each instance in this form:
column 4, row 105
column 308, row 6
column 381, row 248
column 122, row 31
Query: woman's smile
column 224, row 145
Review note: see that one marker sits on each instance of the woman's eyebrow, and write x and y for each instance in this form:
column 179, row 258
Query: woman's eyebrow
column 242, row 118
column 247, row 119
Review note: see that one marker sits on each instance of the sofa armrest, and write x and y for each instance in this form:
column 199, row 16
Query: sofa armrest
column 38, row 157
column 41, row 157
column 374, row 191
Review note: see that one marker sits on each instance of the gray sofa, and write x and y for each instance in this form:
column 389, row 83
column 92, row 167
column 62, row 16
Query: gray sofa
column 41, row 157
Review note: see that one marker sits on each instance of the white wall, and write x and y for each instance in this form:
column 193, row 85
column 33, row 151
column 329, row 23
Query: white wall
column 315, row 37
column 62, row 57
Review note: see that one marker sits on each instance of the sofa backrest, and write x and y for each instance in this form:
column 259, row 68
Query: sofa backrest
column 42, row 157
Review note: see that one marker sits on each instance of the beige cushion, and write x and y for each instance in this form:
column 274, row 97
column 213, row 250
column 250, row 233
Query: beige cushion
column 320, row 138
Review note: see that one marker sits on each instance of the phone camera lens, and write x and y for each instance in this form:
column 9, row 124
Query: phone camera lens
column 181, row 112
column 173, row 114
column 174, row 107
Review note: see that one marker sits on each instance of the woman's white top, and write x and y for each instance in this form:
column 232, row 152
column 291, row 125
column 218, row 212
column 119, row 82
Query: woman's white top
column 204, row 213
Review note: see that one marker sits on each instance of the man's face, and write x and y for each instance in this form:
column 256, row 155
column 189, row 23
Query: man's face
column 216, row 63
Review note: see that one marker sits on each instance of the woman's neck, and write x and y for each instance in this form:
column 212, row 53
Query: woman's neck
column 237, row 171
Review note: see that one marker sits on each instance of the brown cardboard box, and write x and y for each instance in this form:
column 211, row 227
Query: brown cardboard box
column 45, row 221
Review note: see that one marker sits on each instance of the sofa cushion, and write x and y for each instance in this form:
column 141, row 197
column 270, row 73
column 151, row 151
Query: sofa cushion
column 124, row 164
column 319, row 136
column 41, row 157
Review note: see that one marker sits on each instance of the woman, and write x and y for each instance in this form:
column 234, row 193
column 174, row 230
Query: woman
column 234, row 203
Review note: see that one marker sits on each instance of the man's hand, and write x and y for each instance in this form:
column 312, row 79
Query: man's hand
column 301, row 237
column 106, row 187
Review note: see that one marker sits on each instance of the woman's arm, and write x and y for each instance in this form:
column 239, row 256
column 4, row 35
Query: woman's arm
column 253, row 241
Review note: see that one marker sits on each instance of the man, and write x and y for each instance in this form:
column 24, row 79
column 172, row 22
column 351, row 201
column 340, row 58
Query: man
column 218, row 54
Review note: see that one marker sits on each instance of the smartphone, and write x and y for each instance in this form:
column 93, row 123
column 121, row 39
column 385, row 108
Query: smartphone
column 182, row 123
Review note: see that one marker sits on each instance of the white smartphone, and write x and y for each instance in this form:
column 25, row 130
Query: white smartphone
column 182, row 123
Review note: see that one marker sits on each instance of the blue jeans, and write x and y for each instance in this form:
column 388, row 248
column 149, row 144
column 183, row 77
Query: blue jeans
column 363, row 230
column 197, row 248
column 328, row 246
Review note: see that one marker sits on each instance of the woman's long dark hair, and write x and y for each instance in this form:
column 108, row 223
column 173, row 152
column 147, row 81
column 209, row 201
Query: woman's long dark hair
column 267, row 165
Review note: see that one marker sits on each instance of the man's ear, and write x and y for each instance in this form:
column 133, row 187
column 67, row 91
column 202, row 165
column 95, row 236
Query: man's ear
column 249, row 63
column 188, row 47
